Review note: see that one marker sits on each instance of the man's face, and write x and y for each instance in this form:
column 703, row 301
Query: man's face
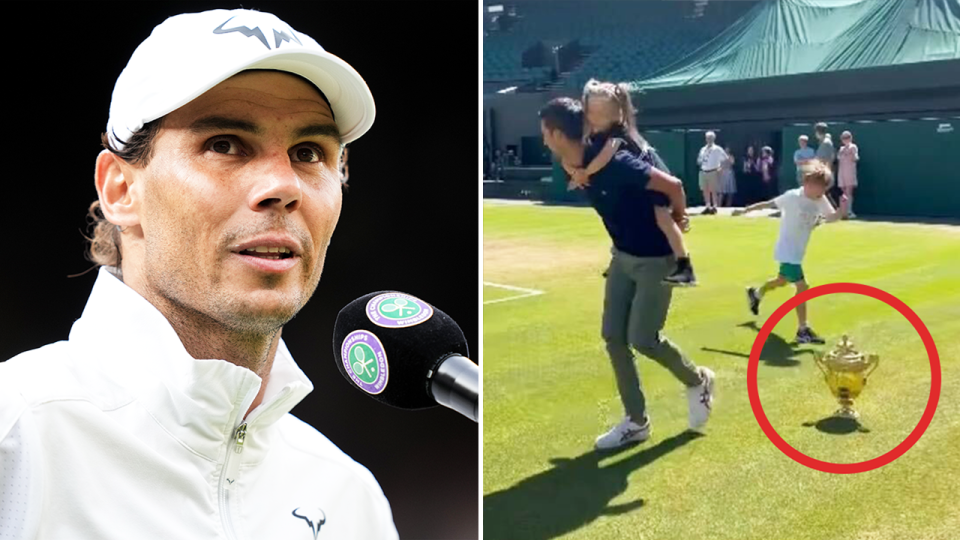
column 550, row 138
column 239, row 201
column 803, row 143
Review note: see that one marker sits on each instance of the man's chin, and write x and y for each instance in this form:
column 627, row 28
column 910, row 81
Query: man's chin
column 268, row 308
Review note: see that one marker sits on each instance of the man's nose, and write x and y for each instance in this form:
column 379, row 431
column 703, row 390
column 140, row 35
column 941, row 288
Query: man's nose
column 276, row 184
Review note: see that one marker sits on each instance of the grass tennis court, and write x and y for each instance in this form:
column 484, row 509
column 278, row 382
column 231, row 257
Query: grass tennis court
column 549, row 388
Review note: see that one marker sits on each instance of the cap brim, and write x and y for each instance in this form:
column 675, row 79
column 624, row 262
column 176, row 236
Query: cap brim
column 347, row 92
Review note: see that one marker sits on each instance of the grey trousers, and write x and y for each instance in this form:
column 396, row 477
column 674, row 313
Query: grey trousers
column 635, row 307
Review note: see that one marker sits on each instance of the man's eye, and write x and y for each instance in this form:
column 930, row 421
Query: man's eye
column 306, row 154
column 225, row 146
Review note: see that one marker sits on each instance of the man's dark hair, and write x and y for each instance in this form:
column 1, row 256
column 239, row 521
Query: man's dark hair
column 565, row 114
column 104, row 249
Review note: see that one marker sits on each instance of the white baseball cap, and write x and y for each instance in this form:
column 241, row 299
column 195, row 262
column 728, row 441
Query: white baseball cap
column 188, row 54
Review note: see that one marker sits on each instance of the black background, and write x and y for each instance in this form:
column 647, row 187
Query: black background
column 61, row 61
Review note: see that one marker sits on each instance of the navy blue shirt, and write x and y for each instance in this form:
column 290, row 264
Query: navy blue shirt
column 619, row 194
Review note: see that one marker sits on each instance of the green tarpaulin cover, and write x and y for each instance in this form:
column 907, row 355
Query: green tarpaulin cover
column 787, row 37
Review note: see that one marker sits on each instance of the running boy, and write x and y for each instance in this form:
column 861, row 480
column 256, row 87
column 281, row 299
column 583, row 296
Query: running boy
column 802, row 209
column 610, row 123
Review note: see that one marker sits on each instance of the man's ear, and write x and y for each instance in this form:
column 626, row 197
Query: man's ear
column 114, row 179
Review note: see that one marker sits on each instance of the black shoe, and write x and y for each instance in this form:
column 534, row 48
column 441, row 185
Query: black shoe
column 753, row 300
column 806, row 335
column 682, row 276
column 706, row 211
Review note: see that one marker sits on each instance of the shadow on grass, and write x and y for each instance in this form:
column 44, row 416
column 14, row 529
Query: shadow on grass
column 776, row 352
column 569, row 496
column 837, row 426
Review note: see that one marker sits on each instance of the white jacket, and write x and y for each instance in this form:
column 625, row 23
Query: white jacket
column 118, row 433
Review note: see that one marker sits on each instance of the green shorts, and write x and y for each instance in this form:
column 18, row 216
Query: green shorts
column 791, row 272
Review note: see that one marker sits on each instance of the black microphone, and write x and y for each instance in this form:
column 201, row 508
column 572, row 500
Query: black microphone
column 406, row 353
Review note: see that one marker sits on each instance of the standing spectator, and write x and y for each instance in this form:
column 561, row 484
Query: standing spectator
column 750, row 181
column 486, row 161
column 497, row 164
column 827, row 155
column 847, row 158
column 802, row 155
column 728, row 181
column 768, row 172
column 709, row 160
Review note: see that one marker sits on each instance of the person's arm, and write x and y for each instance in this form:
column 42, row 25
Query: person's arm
column 756, row 206
column 604, row 157
column 577, row 178
column 829, row 213
column 856, row 152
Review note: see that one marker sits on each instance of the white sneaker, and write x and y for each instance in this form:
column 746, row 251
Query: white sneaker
column 700, row 398
column 626, row 432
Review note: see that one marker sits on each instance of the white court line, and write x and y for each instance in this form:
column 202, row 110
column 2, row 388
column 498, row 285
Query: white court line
column 526, row 292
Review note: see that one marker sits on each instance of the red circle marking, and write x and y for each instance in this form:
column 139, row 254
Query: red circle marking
column 826, row 466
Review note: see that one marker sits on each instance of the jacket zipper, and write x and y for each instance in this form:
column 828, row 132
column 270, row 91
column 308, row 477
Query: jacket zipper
column 231, row 465
column 228, row 478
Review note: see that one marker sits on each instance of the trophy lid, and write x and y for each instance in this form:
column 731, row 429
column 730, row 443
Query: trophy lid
column 845, row 354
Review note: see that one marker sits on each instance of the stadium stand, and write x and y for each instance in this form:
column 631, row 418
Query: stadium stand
column 617, row 39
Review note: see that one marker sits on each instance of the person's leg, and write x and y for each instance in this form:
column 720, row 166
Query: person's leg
column 682, row 274
column 801, row 308
column 651, row 302
column 672, row 231
column 805, row 334
column 617, row 302
column 715, row 189
column 848, row 191
column 702, row 180
column 771, row 284
column 755, row 294
column 648, row 315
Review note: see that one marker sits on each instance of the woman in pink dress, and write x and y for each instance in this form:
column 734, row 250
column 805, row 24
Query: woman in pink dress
column 848, row 156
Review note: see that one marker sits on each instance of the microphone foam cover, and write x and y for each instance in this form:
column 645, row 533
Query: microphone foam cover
column 387, row 344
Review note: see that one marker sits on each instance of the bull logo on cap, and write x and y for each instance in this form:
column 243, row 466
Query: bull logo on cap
column 278, row 36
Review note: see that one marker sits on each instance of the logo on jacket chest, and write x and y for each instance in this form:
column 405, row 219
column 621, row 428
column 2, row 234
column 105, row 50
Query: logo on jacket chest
column 314, row 517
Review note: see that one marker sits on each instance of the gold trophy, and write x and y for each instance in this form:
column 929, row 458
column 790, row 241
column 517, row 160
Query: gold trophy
column 846, row 370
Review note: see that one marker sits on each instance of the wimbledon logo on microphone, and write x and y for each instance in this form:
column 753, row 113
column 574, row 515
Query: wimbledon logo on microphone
column 365, row 361
column 397, row 310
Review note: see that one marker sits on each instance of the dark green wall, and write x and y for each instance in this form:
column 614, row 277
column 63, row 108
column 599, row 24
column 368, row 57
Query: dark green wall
column 906, row 168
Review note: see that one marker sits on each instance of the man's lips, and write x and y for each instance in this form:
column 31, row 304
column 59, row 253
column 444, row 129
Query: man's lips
column 269, row 247
column 269, row 253
column 265, row 252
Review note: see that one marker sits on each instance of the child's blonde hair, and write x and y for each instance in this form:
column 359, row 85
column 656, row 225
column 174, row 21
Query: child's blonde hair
column 620, row 95
column 815, row 171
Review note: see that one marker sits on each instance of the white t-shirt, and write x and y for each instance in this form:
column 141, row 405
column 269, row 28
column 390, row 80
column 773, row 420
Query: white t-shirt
column 798, row 218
